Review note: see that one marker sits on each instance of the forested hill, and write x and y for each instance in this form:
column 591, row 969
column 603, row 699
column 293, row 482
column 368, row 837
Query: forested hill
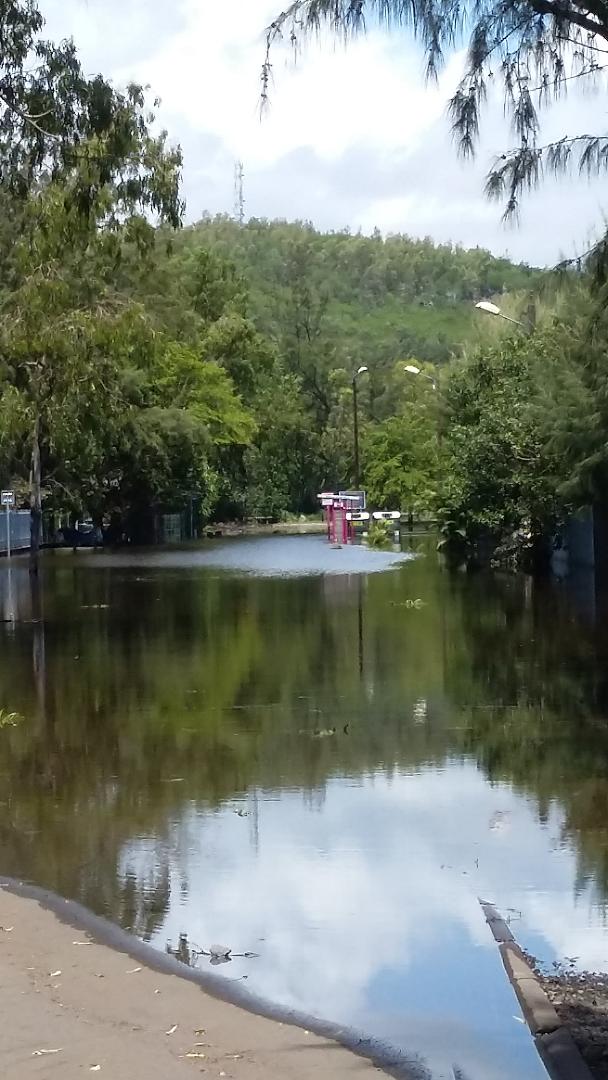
column 376, row 299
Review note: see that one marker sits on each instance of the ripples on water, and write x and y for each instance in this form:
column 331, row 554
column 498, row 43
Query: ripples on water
column 323, row 757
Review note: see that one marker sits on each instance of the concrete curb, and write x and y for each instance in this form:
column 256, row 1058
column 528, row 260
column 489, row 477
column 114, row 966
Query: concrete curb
column 554, row 1042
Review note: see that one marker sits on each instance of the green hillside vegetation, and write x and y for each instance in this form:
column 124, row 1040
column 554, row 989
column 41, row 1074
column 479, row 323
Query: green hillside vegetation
column 290, row 313
column 382, row 297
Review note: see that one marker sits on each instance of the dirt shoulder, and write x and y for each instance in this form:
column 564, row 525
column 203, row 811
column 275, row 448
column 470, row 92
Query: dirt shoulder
column 72, row 1008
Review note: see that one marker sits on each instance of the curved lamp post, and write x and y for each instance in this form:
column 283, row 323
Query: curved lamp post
column 359, row 371
column 413, row 370
column 493, row 309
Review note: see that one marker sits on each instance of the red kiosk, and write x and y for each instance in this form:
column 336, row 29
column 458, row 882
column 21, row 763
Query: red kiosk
column 342, row 510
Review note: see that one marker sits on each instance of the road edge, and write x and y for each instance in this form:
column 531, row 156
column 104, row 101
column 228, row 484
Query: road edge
column 560, row 1054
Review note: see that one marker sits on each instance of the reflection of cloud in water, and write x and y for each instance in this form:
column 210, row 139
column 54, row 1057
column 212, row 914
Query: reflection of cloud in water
column 366, row 911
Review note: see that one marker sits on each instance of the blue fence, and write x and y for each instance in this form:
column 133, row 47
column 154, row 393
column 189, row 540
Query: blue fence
column 19, row 523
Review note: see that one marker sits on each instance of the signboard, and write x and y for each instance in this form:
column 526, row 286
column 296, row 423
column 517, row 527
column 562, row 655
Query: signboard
column 7, row 498
column 356, row 499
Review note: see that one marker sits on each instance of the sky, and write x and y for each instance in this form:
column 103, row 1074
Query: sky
column 352, row 138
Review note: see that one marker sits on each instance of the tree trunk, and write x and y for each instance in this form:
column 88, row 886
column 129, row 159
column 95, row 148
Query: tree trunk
column 35, row 500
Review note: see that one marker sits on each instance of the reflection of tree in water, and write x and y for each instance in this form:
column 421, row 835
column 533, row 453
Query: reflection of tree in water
column 150, row 696
column 531, row 683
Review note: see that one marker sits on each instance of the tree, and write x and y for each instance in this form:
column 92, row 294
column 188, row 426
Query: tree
column 401, row 464
column 500, row 488
column 533, row 47
column 283, row 465
column 79, row 172
column 402, row 452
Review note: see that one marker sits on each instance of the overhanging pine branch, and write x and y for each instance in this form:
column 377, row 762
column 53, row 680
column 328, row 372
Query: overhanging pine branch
column 565, row 14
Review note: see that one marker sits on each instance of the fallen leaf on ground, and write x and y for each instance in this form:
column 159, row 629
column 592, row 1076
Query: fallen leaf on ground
column 194, row 1054
column 7, row 929
column 54, row 974
column 41, row 1053
column 95, row 1068
column 200, row 1031
column 82, row 943
column 133, row 971
column 171, row 1030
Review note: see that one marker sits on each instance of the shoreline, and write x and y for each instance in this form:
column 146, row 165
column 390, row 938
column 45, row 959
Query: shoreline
column 59, row 995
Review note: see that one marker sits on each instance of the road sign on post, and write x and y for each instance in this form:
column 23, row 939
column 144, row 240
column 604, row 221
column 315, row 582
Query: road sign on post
column 7, row 499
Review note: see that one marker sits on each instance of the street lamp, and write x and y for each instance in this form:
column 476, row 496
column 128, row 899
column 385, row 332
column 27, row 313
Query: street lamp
column 413, row 370
column 493, row 309
column 359, row 371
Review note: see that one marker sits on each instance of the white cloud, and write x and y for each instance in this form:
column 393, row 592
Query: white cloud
column 366, row 911
column 347, row 116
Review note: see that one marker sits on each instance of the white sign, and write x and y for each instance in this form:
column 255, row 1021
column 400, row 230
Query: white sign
column 7, row 498
column 387, row 515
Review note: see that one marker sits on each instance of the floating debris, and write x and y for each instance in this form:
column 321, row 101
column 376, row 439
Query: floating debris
column 219, row 953
column 10, row 719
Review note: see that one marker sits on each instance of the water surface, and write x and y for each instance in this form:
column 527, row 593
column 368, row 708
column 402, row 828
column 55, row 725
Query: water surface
column 323, row 757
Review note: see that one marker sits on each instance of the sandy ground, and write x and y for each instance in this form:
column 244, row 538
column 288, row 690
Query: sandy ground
column 71, row 1010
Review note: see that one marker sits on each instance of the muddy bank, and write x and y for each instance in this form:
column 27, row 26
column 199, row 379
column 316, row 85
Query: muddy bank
column 73, row 1007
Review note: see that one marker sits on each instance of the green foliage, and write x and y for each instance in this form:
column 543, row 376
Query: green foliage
column 297, row 312
column 401, row 453
column 525, row 423
column 497, row 479
column 379, row 534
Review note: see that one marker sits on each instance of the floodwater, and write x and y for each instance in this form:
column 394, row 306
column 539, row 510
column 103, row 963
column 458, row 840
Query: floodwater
column 322, row 757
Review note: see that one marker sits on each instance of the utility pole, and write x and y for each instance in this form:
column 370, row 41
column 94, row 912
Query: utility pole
column 359, row 371
column 239, row 198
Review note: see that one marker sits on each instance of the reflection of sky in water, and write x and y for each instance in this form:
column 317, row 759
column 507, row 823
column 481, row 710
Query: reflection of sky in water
column 281, row 556
column 364, row 907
